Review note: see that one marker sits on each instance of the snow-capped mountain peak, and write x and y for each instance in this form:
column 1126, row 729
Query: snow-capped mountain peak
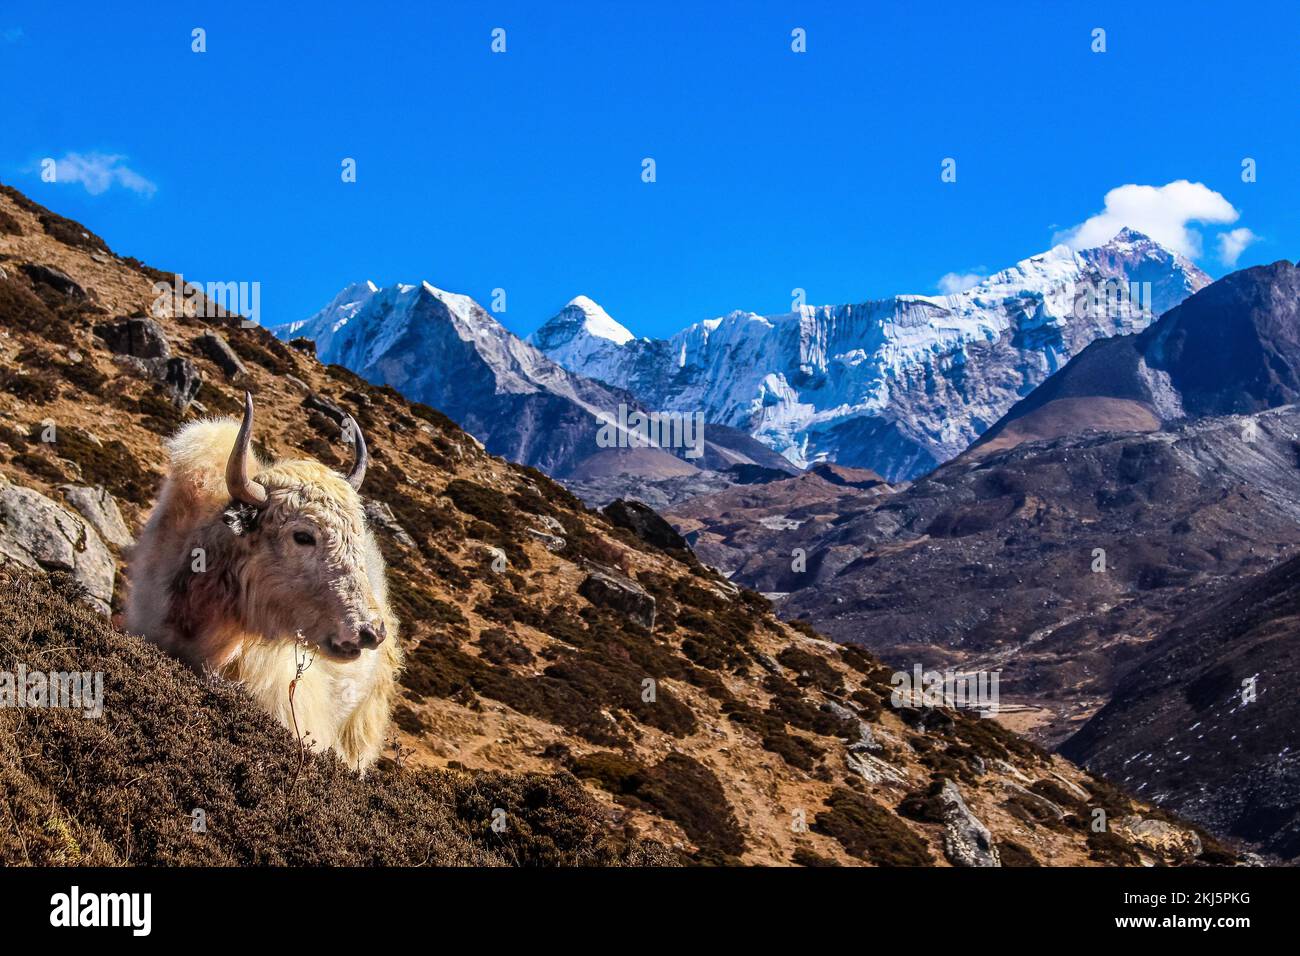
column 597, row 322
column 898, row 384
column 349, row 301
column 580, row 331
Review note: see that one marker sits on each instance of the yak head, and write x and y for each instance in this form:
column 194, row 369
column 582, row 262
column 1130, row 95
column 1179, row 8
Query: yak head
column 302, row 553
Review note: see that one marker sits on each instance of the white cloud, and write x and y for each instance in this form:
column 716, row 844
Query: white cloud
column 99, row 172
column 1161, row 212
column 953, row 282
column 1233, row 243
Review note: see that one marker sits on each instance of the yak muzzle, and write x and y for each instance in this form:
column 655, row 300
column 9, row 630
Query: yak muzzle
column 367, row 637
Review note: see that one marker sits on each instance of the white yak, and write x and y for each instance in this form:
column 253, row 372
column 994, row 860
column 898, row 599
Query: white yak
column 254, row 570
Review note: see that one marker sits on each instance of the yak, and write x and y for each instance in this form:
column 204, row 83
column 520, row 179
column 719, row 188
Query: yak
column 267, row 575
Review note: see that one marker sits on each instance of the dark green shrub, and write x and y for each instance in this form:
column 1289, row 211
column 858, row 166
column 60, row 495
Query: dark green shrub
column 870, row 832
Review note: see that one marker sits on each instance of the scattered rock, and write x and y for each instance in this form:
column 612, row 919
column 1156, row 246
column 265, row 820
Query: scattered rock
column 180, row 377
column 1049, row 807
column 39, row 534
column 1162, row 838
column 966, row 841
column 553, row 543
column 131, row 365
column 645, row 523
column 872, row 769
column 219, row 351
column 551, row 524
column 139, row 337
column 608, row 588
column 1010, row 770
column 925, row 718
column 866, row 740
column 57, row 280
column 100, row 508
column 331, row 410
column 1072, row 787
column 381, row 516
column 182, row 380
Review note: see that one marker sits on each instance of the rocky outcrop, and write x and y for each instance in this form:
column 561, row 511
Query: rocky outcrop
column 552, row 542
column 607, row 588
column 966, row 841
column 141, row 348
column 381, row 517
column 182, row 381
column 138, row 337
column 643, row 522
column 1165, row 839
column 865, row 742
column 330, row 409
column 56, row 279
column 100, row 508
column 39, row 534
column 222, row 355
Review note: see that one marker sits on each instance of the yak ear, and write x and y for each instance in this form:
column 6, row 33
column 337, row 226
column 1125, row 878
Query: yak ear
column 240, row 518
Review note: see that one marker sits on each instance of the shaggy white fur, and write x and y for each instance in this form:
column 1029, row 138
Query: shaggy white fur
column 242, row 597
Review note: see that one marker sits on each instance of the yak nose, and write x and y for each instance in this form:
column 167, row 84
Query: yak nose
column 371, row 635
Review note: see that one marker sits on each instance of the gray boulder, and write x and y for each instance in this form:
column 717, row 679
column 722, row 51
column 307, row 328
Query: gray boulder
column 553, row 543
column 182, row 381
column 866, row 740
column 39, row 534
column 380, row 516
column 100, row 508
column 139, row 337
column 328, row 408
column 222, row 355
column 645, row 523
column 966, row 841
column 56, row 279
column 607, row 588
column 178, row 376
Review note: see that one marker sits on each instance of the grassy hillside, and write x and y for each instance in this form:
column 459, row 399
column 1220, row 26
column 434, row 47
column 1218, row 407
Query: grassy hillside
column 123, row 789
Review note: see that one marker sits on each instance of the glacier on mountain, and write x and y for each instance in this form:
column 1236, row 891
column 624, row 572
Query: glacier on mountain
column 897, row 385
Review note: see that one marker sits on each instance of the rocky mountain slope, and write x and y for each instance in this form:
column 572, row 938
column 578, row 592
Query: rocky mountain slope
column 1232, row 348
column 447, row 351
column 1052, row 562
column 1205, row 722
column 897, row 385
column 727, row 528
column 546, row 644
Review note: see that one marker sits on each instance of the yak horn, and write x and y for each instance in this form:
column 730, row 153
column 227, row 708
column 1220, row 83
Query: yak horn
column 241, row 487
column 361, row 455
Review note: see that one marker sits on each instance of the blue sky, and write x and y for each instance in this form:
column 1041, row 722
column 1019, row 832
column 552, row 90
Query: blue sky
column 522, row 170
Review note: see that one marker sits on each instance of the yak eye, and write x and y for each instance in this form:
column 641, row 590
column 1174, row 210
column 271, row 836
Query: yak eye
column 304, row 538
